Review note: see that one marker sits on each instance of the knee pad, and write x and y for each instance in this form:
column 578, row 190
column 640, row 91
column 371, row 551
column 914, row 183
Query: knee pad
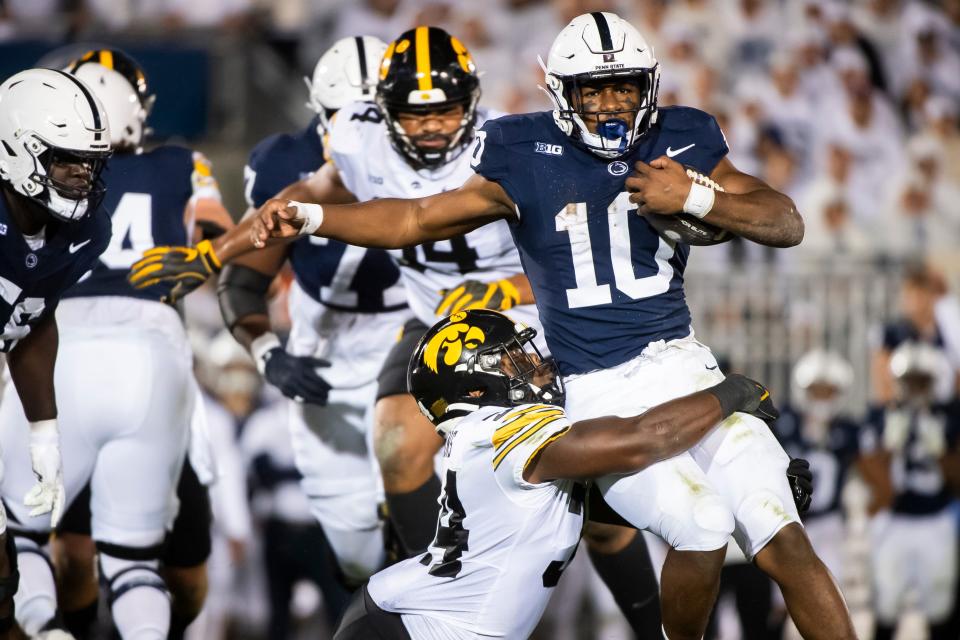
column 123, row 574
column 707, row 527
column 760, row 516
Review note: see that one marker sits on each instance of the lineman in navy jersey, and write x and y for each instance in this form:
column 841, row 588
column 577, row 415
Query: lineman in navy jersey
column 609, row 292
column 124, row 373
column 513, row 467
column 55, row 139
column 345, row 307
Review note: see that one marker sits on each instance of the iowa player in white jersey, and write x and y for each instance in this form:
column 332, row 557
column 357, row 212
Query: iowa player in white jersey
column 124, row 376
column 513, row 473
column 54, row 141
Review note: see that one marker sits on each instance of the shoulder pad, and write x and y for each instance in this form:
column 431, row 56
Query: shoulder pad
column 683, row 118
column 352, row 125
column 171, row 152
column 511, row 129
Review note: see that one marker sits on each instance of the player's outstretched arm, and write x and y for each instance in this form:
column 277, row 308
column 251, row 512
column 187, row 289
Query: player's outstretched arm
column 31, row 364
column 747, row 206
column 190, row 267
column 598, row 447
column 388, row 223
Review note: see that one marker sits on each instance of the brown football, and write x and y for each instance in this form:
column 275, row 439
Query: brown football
column 686, row 227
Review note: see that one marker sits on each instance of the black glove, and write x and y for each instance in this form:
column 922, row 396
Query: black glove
column 296, row 377
column 801, row 483
column 740, row 393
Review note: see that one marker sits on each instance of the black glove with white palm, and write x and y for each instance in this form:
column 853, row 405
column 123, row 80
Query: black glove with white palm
column 295, row 376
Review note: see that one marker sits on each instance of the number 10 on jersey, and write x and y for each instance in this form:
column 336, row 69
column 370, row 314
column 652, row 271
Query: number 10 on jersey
column 572, row 219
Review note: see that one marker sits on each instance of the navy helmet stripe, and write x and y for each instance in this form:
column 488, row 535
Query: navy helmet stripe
column 362, row 55
column 606, row 42
column 90, row 101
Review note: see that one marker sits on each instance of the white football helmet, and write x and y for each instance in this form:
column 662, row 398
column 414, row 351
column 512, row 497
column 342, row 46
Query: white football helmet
column 922, row 360
column 49, row 117
column 347, row 72
column 821, row 367
column 598, row 46
column 121, row 85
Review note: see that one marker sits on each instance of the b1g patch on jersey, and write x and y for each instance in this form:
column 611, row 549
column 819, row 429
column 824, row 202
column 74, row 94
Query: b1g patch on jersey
column 527, row 425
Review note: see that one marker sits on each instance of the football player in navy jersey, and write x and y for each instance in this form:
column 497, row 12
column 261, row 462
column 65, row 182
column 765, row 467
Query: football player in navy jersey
column 815, row 427
column 905, row 446
column 576, row 184
column 54, row 140
column 346, row 304
column 124, row 374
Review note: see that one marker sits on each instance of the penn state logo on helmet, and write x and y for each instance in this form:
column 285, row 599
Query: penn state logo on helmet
column 54, row 141
column 428, row 70
column 596, row 47
column 479, row 358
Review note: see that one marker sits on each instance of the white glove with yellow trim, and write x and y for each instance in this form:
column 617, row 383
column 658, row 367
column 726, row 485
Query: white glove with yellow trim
column 472, row 294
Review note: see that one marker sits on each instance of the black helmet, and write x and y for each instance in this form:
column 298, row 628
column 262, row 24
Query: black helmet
column 427, row 70
column 122, row 63
column 478, row 358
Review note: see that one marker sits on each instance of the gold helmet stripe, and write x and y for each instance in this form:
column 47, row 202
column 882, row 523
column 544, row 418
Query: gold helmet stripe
column 106, row 58
column 424, row 78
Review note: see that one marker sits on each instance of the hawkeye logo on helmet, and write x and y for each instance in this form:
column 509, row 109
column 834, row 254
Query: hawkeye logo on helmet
column 451, row 340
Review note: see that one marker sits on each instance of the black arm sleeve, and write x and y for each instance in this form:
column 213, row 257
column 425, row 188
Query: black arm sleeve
column 242, row 291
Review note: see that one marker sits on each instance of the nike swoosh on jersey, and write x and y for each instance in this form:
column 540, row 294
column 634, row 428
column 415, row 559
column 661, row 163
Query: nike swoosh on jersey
column 73, row 248
column 676, row 152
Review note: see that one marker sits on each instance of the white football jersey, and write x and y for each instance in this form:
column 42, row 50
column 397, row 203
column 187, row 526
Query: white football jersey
column 359, row 145
column 501, row 542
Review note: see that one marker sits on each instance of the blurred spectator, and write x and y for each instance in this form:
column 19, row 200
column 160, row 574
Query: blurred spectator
column 913, row 532
column 913, row 226
column 385, row 19
column 751, row 28
column 927, row 54
column 941, row 122
column 832, row 207
column 787, row 107
column 842, row 33
column 862, row 117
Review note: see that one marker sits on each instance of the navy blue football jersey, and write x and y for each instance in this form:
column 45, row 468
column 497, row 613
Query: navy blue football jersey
column 333, row 273
column 830, row 459
column 921, row 439
column 147, row 195
column 606, row 283
column 33, row 281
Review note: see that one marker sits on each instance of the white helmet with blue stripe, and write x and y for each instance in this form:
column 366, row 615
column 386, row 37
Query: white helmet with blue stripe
column 347, row 72
column 598, row 46
column 48, row 118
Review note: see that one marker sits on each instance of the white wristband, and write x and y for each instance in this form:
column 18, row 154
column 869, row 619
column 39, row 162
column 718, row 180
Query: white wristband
column 310, row 214
column 44, row 432
column 261, row 346
column 700, row 200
